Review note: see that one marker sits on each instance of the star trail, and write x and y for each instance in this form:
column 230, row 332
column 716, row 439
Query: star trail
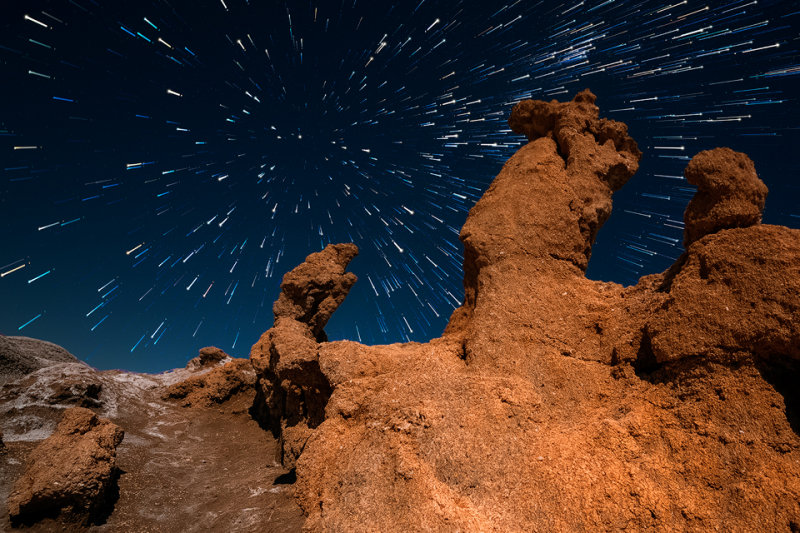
column 163, row 163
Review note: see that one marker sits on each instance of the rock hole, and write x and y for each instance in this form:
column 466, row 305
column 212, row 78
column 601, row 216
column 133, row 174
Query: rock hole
column 705, row 270
column 261, row 413
column 783, row 374
column 646, row 363
column 614, row 357
column 286, row 479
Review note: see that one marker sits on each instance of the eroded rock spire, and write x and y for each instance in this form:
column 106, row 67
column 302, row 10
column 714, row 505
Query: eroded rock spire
column 314, row 289
column 292, row 390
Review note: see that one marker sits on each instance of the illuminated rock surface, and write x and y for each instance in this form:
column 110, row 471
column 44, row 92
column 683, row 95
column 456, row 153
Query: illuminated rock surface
column 554, row 402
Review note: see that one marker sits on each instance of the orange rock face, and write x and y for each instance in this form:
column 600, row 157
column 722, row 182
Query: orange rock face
column 553, row 402
column 72, row 474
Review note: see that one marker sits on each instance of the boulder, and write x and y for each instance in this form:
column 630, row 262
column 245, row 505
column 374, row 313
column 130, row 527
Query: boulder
column 729, row 193
column 71, row 475
column 208, row 357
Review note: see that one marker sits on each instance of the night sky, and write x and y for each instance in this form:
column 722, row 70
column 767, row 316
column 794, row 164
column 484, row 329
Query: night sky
column 163, row 163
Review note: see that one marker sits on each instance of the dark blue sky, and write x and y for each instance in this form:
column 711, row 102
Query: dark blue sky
column 162, row 164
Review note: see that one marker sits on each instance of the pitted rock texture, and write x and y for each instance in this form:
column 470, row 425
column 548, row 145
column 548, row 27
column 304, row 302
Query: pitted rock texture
column 557, row 191
column 72, row 474
column 553, row 402
column 729, row 193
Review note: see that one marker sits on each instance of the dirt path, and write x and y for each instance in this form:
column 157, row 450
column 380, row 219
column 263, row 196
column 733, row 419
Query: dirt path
column 186, row 470
column 210, row 471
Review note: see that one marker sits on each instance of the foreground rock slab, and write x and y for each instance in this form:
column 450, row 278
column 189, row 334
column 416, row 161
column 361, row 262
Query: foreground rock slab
column 72, row 474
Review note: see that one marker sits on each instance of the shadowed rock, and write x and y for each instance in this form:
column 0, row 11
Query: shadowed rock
column 314, row 290
column 735, row 295
column 72, row 474
column 175, row 460
column 729, row 193
column 20, row 356
column 38, row 379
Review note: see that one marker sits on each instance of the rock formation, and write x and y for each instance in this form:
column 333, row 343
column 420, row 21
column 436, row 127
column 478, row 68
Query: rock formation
column 198, row 468
column 20, row 356
column 292, row 390
column 72, row 474
column 553, row 402
column 729, row 193
column 174, row 460
column 311, row 292
column 208, row 357
column 215, row 387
